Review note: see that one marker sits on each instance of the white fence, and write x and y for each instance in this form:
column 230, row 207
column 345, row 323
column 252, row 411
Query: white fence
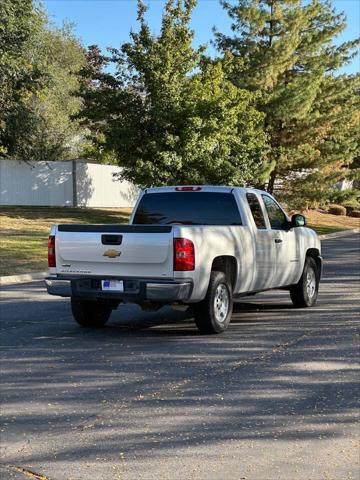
column 63, row 184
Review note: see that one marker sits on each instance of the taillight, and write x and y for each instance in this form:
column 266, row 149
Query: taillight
column 184, row 255
column 51, row 251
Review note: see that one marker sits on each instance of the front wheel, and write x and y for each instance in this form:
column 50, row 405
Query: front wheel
column 213, row 314
column 305, row 292
column 90, row 313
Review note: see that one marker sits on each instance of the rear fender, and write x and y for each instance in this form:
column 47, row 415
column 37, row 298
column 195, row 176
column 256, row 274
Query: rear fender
column 225, row 263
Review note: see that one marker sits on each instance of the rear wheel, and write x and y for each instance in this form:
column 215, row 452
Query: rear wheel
column 90, row 313
column 305, row 292
column 213, row 314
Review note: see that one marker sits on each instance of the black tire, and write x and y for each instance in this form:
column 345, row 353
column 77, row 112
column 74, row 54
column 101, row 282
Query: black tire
column 90, row 313
column 301, row 294
column 209, row 317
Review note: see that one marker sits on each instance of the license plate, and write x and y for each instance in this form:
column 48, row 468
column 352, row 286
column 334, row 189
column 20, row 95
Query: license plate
column 112, row 285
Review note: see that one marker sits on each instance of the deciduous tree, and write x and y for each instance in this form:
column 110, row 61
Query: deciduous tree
column 19, row 75
column 166, row 116
column 41, row 64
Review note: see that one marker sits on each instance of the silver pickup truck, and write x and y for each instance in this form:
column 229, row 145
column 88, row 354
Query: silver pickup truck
column 202, row 246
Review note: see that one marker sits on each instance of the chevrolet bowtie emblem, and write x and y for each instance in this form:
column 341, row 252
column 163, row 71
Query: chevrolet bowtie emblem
column 112, row 253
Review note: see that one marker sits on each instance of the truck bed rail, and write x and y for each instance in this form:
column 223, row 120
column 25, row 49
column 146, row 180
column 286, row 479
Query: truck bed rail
column 118, row 228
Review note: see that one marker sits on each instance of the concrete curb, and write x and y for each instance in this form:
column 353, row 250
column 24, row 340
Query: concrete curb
column 342, row 233
column 32, row 277
column 22, row 278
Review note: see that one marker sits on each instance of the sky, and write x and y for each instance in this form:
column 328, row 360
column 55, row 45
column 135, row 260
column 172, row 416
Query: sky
column 107, row 23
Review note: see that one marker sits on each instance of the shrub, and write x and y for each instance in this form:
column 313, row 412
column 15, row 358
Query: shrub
column 351, row 206
column 355, row 213
column 337, row 210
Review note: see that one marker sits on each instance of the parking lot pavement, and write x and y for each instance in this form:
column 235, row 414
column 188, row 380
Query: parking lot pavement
column 148, row 397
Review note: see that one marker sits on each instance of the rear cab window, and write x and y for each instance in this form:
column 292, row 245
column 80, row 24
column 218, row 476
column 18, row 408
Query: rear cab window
column 256, row 211
column 188, row 208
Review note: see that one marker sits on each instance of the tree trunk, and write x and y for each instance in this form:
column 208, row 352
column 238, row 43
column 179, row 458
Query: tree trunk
column 271, row 183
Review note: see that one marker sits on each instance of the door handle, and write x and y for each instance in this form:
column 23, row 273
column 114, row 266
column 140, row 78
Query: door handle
column 278, row 240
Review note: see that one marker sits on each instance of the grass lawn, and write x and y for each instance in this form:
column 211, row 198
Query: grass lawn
column 24, row 231
column 327, row 223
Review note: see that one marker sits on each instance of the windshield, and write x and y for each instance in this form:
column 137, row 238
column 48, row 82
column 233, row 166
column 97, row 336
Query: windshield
column 188, row 208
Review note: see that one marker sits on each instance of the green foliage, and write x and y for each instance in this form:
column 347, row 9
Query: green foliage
column 168, row 117
column 20, row 76
column 50, row 132
column 272, row 110
column 284, row 50
column 343, row 197
column 38, row 123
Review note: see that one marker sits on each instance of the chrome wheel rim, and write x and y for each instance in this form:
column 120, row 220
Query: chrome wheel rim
column 221, row 302
column 310, row 283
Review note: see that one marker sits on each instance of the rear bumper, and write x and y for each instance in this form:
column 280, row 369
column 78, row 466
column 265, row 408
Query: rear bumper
column 135, row 290
column 62, row 288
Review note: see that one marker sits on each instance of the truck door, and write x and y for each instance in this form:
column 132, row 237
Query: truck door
column 285, row 241
column 264, row 246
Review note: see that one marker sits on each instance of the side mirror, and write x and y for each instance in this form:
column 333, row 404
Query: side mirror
column 298, row 220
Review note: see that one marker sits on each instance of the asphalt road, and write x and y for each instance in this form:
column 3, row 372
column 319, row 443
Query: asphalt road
column 148, row 397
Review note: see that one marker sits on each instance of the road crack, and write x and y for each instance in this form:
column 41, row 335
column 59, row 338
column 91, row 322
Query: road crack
column 29, row 473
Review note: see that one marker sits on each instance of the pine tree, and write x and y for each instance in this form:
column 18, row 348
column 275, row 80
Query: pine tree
column 284, row 50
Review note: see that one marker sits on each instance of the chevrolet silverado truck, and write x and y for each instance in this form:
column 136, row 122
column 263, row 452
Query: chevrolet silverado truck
column 198, row 246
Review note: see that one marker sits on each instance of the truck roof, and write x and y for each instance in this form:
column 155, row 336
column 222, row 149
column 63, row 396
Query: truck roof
column 205, row 188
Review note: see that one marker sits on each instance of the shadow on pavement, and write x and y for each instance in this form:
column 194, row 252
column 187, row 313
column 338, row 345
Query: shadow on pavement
column 148, row 383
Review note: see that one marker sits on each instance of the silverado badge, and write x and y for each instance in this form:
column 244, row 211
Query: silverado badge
column 112, row 253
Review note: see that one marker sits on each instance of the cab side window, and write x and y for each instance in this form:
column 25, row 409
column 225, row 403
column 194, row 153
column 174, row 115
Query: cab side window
column 256, row 211
column 276, row 216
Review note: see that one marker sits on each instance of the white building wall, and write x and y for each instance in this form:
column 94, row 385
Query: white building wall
column 97, row 186
column 35, row 183
column 51, row 183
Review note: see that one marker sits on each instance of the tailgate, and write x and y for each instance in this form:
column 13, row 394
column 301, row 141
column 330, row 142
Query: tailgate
column 115, row 250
